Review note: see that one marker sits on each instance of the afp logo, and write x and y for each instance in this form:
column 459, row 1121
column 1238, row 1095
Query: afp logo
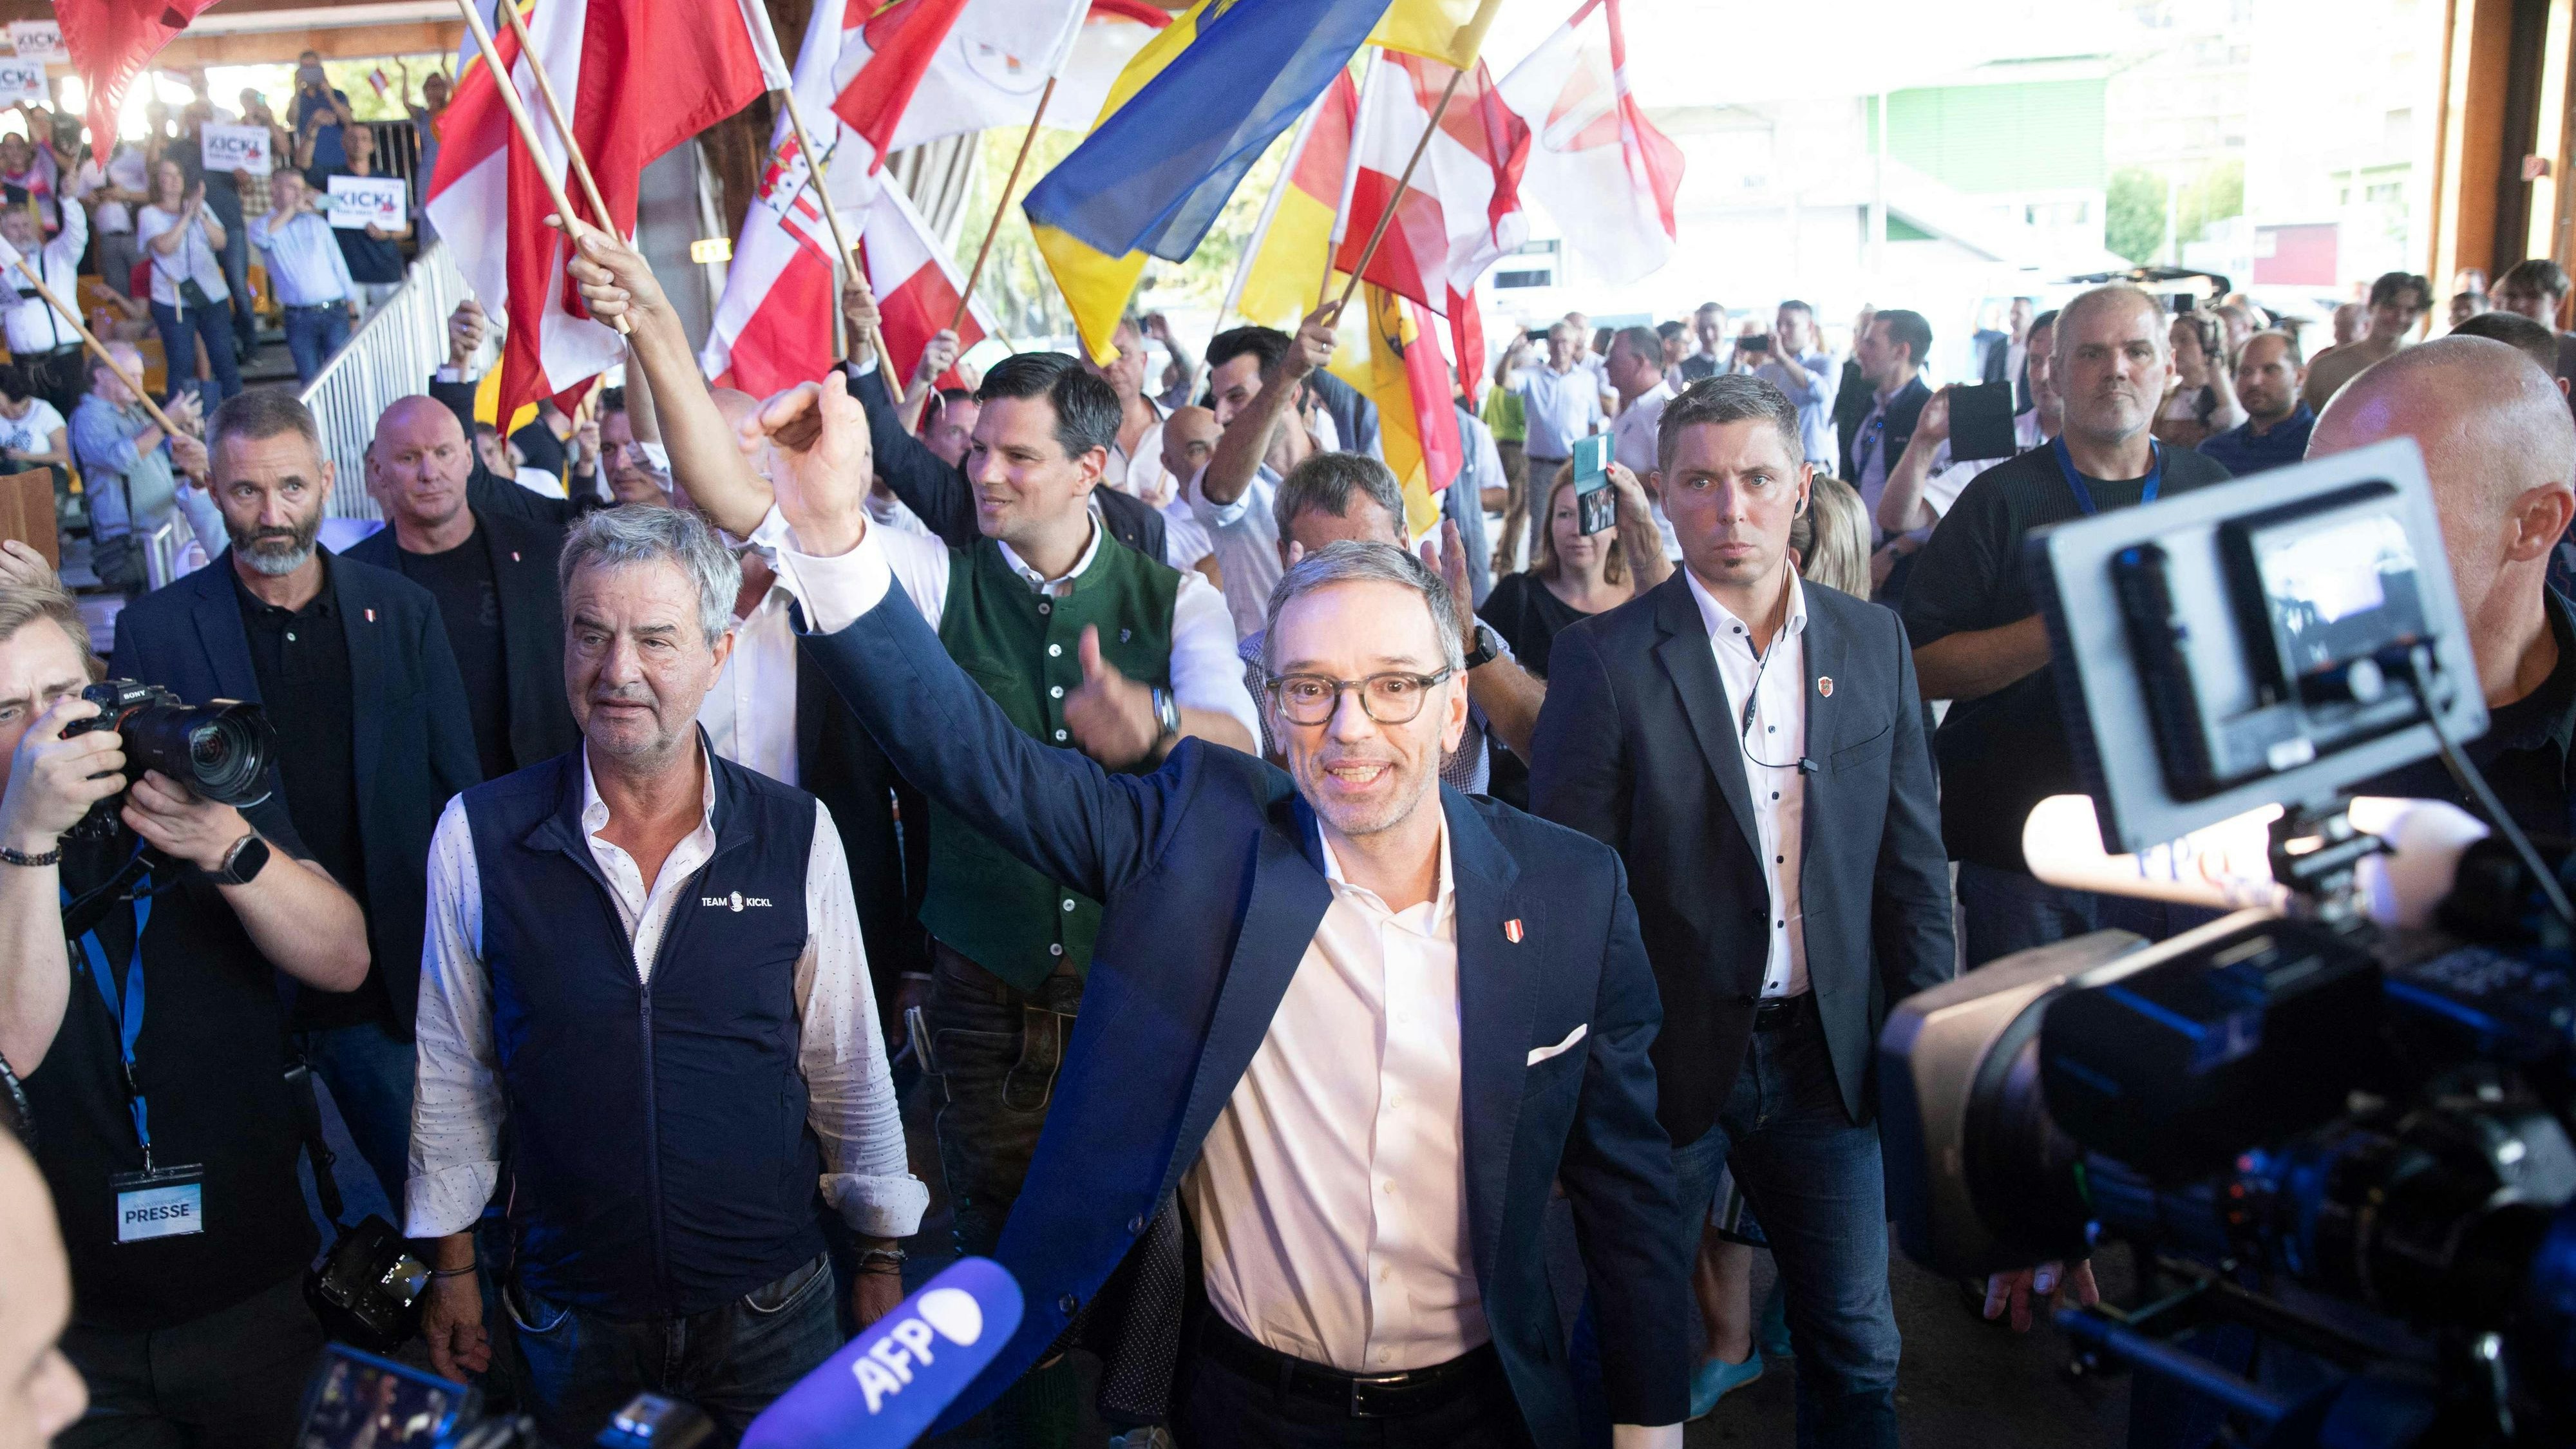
column 888, row 1385
column 889, row 1363
column 737, row 901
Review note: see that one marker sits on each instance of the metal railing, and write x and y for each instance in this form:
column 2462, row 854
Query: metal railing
column 391, row 356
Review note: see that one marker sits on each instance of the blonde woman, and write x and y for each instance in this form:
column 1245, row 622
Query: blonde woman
column 1830, row 541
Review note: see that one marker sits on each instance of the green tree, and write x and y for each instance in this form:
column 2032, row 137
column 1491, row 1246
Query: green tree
column 2133, row 214
column 2214, row 195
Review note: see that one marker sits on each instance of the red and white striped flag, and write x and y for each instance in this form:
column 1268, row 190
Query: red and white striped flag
column 1602, row 169
column 916, row 282
column 918, row 70
column 1462, row 211
column 637, row 78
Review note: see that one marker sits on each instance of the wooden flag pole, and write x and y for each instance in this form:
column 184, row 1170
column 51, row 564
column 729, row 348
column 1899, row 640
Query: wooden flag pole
column 840, row 240
column 132, row 383
column 1386, row 214
column 563, row 127
column 527, row 129
column 1003, row 207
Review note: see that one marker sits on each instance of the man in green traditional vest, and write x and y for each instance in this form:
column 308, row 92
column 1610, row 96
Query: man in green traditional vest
column 1083, row 642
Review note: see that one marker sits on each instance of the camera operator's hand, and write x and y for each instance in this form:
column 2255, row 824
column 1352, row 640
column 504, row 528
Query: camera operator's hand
column 53, row 781
column 451, row 1319
column 179, row 824
column 2049, row 1282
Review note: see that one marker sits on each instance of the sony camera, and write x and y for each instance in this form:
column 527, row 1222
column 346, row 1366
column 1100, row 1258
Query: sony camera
column 221, row 751
column 2348, row 1134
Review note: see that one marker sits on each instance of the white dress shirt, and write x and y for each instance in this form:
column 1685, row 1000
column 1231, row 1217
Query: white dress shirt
column 750, row 715
column 1206, row 675
column 1776, row 682
column 458, row 1109
column 1244, row 535
column 304, row 261
column 1330, row 1196
column 1330, row 1200
column 1141, row 472
column 33, row 324
column 1633, row 447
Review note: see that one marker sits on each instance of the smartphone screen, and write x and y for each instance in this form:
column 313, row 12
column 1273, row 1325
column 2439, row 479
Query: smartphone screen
column 1596, row 505
column 360, row 1401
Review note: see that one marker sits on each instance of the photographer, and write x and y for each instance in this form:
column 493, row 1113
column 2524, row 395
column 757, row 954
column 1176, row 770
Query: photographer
column 168, row 1137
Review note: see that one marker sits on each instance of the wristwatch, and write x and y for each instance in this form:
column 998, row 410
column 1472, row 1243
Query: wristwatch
column 248, row 856
column 1489, row 647
column 1167, row 714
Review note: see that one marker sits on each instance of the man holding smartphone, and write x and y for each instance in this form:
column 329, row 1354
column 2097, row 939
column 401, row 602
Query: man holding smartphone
column 1795, row 363
column 1636, row 368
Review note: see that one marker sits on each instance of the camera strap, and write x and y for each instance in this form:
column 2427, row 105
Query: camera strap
column 2084, row 495
column 127, row 1010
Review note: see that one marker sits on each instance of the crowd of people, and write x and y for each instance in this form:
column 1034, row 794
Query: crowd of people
column 1273, row 909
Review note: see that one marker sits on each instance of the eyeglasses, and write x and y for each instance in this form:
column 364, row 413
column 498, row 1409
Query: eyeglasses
column 1389, row 699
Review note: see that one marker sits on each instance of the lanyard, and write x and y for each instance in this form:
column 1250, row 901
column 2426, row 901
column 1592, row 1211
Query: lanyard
column 2084, row 495
column 128, row 1012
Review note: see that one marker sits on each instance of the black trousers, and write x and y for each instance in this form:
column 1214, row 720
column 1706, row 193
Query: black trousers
column 1222, row 1408
column 233, row 1379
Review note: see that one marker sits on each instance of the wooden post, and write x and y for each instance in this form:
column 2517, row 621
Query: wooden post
column 1386, row 214
column 132, row 383
column 527, row 129
column 1002, row 208
column 832, row 219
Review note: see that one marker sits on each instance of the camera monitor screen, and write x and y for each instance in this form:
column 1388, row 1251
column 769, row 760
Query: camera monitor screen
column 2251, row 643
column 360, row 1401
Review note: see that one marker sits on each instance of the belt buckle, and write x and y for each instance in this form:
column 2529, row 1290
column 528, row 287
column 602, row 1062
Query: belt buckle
column 1364, row 1404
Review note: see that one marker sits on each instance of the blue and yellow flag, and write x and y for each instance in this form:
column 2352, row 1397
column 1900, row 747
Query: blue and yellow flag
column 1187, row 117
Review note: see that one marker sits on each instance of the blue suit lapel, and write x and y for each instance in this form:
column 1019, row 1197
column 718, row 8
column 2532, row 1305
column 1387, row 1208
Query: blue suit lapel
column 1496, row 1004
column 220, row 632
column 1288, row 898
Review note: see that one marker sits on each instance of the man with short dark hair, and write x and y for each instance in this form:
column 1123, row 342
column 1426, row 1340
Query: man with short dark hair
column 1708, row 332
column 372, row 731
column 492, row 574
column 1979, row 641
column 2005, row 362
column 1254, row 376
column 2536, row 287
column 1805, row 374
column 1890, row 354
column 1633, row 370
column 139, row 999
column 2518, row 332
column 1080, row 640
column 2269, row 380
column 1783, row 905
column 2398, row 302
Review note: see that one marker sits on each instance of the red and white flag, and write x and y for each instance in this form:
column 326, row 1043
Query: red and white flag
column 1112, row 32
column 916, row 283
column 1603, row 171
column 637, row 77
column 110, row 42
column 1462, row 211
column 918, row 70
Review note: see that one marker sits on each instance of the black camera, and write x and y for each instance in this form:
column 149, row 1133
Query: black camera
column 221, row 751
column 2348, row 1137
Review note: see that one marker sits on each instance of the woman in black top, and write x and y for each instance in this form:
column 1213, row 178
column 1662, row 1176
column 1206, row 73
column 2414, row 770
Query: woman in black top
column 1574, row 575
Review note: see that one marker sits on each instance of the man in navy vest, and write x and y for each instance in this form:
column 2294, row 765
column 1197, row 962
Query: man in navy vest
column 1348, row 1026
column 646, row 960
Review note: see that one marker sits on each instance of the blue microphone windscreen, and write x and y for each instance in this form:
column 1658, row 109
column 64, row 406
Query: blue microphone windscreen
column 886, row 1387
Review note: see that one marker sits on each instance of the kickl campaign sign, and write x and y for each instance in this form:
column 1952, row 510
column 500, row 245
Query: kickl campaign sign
column 358, row 202
column 235, row 148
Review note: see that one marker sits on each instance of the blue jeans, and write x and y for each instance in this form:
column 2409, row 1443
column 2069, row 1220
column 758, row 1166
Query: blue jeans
column 2003, row 911
column 1817, row 1183
column 578, row 1367
column 180, row 332
column 313, row 335
column 369, row 1071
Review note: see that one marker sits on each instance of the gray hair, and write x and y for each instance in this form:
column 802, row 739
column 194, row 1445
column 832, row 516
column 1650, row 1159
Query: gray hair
column 1324, row 484
column 2061, row 348
column 1729, row 397
column 641, row 534
column 1354, row 562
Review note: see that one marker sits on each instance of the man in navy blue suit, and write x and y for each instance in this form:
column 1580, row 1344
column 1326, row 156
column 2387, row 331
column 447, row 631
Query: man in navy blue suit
column 1354, row 1024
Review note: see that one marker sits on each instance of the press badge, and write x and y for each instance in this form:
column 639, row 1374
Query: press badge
column 167, row 1203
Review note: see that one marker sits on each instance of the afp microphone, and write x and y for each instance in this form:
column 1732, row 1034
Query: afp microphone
column 886, row 1386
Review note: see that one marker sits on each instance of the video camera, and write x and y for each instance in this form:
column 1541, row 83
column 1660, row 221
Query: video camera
column 2346, row 1136
column 221, row 751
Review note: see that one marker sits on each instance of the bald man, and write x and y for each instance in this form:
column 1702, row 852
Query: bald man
column 2501, row 450
column 1978, row 639
column 493, row 574
column 769, row 713
column 1189, row 440
column 40, row 1393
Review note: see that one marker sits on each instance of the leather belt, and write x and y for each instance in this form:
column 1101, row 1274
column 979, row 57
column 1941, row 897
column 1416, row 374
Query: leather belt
column 1778, row 1013
column 1363, row 1396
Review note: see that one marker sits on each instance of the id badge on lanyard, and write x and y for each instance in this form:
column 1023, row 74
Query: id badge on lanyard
column 160, row 1201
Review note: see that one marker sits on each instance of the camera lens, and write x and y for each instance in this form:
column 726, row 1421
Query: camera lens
column 231, row 764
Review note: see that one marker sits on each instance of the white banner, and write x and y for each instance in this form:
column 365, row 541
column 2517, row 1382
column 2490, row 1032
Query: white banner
column 358, row 202
column 40, row 41
column 22, row 81
column 234, row 148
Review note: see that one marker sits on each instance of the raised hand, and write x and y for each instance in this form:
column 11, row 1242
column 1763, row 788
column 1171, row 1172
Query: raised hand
column 859, row 305
column 466, row 327
column 939, row 355
column 821, row 465
column 614, row 278
column 1932, row 425
column 1111, row 717
column 1311, row 350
